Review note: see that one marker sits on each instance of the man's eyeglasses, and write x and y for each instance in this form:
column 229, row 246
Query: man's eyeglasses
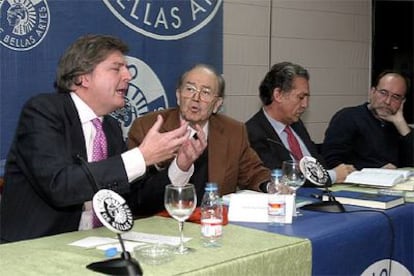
column 205, row 93
column 384, row 93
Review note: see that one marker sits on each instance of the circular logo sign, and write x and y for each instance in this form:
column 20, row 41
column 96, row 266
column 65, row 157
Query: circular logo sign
column 164, row 20
column 145, row 94
column 314, row 171
column 112, row 211
column 386, row 267
column 23, row 24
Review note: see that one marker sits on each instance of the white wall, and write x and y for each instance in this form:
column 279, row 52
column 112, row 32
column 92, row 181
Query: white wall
column 331, row 38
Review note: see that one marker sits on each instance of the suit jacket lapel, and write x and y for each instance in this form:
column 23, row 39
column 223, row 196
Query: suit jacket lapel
column 268, row 129
column 171, row 120
column 75, row 128
column 271, row 134
column 216, row 151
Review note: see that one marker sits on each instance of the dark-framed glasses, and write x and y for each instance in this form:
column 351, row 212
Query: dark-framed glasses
column 205, row 93
column 384, row 93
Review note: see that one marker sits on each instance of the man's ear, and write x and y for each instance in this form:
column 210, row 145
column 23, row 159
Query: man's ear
column 371, row 93
column 217, row 105
column 84, row 80
column 177, row 95
column 277, row 94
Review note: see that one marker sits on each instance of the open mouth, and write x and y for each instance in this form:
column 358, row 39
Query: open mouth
column 194, row 109
column 122, row 91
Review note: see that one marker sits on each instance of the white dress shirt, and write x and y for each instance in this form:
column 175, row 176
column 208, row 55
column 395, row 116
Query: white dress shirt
column 133, row 160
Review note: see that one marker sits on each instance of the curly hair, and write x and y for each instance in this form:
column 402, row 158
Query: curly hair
column 83, row 56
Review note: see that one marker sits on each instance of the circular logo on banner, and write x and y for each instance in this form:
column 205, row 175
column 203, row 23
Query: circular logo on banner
column 386, row 267
column 23, row 24
column 112, row 211
column 145, row 94
column 164, row 20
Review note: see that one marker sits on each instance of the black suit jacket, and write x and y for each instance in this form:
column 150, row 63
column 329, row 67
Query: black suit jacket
column 45, row 184
column 266, row 142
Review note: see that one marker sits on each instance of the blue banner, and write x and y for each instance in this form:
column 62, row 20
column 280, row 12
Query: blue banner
column 165, row 39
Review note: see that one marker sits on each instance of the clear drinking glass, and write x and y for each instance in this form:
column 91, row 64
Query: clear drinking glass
column 292, row 176
column 180, row 202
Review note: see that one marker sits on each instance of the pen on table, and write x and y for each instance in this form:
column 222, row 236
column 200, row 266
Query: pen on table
column 316, row 196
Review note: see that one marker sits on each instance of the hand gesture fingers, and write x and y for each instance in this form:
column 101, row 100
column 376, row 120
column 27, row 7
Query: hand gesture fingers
column 191, row 150
column 157, row 147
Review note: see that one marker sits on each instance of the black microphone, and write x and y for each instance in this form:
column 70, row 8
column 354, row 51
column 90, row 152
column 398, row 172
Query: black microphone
column 89, row 175
column 318, row 175
column 124, row 265
column 279, row 144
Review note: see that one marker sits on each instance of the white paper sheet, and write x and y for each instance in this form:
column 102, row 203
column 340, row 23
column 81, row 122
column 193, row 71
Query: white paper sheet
column 252, row 207
column 152, row 238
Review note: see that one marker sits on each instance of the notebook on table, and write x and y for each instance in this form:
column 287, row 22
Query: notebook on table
column 378, row 177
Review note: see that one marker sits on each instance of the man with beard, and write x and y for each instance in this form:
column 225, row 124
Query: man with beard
column 276, row 131
column 374, row 134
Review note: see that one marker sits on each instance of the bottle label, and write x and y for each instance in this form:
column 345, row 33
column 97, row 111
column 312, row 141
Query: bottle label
column 212, row 227
column 276, row 206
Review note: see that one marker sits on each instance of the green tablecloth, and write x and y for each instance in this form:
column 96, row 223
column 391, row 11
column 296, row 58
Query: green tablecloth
column 244, row 252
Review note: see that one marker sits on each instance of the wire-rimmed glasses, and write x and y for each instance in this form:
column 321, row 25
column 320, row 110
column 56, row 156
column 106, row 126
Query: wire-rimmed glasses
column 205, row 93
column 384, row 93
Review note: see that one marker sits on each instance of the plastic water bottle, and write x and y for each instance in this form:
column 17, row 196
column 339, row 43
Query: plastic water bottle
column 211, row 216
column 276, row 181
column 276, row 204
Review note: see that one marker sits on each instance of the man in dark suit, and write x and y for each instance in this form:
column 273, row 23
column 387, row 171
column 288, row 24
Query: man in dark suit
column 285, row 93
column 219, row 150
column 47, row 190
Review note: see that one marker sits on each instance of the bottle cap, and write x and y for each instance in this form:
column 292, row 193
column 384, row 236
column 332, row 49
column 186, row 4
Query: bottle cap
column 277, row 172
column 211, row 186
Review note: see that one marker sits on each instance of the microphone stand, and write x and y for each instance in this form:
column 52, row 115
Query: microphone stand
column 329, row 206
column 125, row 265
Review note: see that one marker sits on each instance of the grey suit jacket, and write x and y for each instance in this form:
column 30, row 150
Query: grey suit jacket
column 45, row 183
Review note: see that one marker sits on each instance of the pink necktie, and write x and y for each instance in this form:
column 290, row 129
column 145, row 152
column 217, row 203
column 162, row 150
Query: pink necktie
column 99, row 152
column 99, row 149
column 293, row 144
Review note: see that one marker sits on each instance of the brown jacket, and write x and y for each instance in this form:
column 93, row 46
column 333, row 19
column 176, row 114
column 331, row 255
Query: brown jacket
column 232, row 162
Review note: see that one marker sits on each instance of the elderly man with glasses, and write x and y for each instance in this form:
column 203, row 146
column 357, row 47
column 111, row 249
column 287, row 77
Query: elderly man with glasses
column 374, row 134
column 218, row 150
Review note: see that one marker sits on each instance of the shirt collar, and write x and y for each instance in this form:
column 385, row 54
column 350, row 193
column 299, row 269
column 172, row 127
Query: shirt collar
column 86, row 114
column 278, row 126
column 205, row 130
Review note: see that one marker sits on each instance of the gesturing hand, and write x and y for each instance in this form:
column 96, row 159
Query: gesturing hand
column 157, row 147
column 191, row 149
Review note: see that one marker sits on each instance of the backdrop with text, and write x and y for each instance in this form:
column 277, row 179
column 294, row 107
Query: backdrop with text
column 165, row 39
